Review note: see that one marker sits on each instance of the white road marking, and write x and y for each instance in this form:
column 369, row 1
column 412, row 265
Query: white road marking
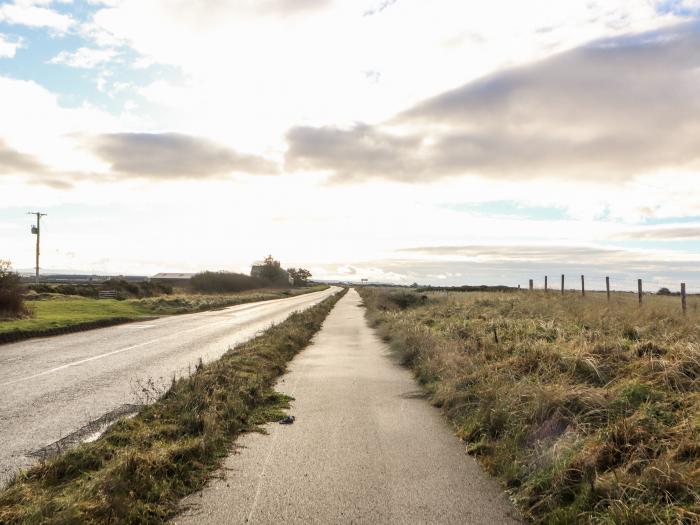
column 107, row 354
column 113, row 352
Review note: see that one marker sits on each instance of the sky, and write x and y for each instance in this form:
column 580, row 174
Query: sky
column 447, row 142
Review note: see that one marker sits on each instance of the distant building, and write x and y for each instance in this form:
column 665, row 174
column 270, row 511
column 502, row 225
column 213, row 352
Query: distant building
column 173, row 279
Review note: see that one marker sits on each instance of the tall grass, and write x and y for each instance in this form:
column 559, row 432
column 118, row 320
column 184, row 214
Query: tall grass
column 588, row 412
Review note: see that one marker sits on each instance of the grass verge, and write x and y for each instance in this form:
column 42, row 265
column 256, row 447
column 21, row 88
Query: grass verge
column 588, row 412
column 55, row 313
column 141, row 467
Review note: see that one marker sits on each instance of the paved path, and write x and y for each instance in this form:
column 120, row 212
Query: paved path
column 366, row 447
column 52, row 387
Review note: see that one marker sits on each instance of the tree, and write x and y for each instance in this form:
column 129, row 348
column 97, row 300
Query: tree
column 301, row 276
column 664, row 291
column 272, row 271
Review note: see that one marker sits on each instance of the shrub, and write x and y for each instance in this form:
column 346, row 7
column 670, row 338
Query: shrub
column 11, row 301
column 125, row 289
column 222, row 282
column 405, row 300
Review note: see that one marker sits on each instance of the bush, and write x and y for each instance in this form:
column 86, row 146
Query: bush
column 406, row 299
column 125, row 289
column 11, row 301
column 223, row 282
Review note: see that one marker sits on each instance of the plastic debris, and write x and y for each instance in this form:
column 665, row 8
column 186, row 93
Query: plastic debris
column 287, row 420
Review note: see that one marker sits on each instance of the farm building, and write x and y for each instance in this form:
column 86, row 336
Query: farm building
column 173, row 279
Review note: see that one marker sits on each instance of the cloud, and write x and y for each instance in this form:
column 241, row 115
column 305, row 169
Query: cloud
column 290, row 7
column 84, row 57
column 354, row 153
column 608, row 111
column 522, row 252
column 8, row 48
column 26, row 13
column 664, row 233
column 173, row 155
column 378, row 8
column 13, row 161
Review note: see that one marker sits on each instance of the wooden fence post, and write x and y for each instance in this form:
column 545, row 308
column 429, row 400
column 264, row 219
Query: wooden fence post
column 545, row 284
column 683, row 303
column 583, row 286
column 562, row 284
column 639, row 290
column 607, row 287
column 531, row 285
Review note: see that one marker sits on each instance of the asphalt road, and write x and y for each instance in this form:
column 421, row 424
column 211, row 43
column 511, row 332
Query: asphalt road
column 68, row 385
column 366, row 447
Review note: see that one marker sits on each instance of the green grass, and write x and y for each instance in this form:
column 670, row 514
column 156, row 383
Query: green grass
column 59, row 311
column 588, row 412
column 141, row 467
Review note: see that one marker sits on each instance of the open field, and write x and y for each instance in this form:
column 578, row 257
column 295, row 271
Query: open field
column 140, row 468
column 587, row 412
column 60, row 311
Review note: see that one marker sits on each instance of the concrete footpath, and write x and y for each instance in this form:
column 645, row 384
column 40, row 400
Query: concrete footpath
column 366, row 447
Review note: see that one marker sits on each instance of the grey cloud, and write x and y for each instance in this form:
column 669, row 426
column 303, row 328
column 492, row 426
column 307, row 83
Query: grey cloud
column 381, row 6
column 610, row 110
column 664, row 233
column 205, row 13
column 522, row 252
column 173, row 155
column 13, row 161
column 353, row 153
column 288, row 7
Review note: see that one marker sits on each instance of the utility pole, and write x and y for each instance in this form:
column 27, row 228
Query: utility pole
column 36, row 230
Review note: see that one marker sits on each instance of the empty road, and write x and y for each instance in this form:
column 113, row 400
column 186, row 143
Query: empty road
column 59, row 386
column 366, row 447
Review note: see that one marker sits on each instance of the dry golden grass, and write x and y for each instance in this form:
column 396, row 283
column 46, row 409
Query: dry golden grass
column 589, row 412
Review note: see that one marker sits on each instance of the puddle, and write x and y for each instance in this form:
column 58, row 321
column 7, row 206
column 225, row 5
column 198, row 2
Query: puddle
column 87, row 434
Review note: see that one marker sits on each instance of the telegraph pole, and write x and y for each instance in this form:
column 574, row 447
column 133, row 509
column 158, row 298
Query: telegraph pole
column 36, row 230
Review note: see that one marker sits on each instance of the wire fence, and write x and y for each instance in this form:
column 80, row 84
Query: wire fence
column 596, row 283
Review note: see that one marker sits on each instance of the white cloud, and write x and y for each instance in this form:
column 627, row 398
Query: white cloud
column 84, row 57
column 248, row 71
column 251, row 60
column 8, row 49
column 584, row 114
column 34, row 123
column 29, row 13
